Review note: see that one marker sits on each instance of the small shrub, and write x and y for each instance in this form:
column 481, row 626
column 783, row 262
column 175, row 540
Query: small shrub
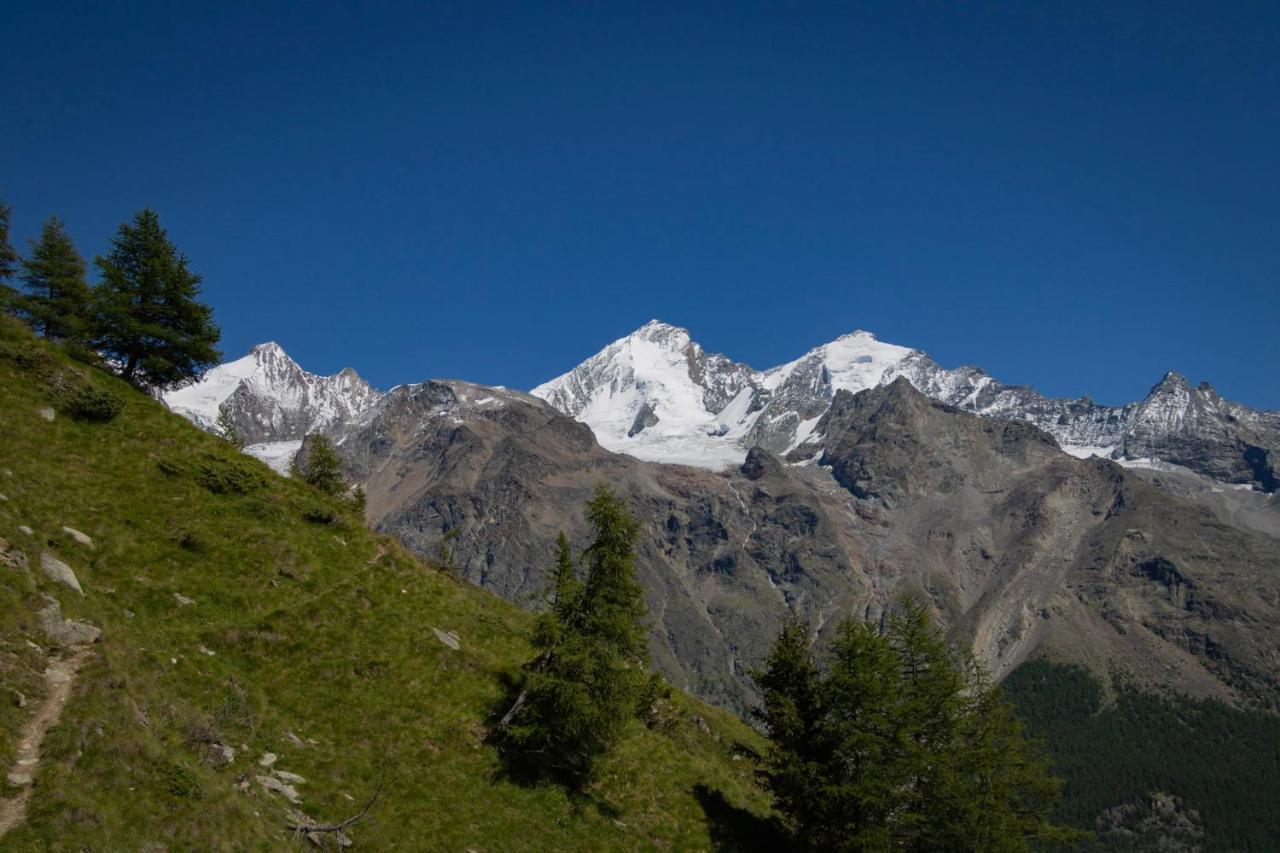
column 320, row 514
column 82, row 353
column 171, row 467
column 183, row 782
column 653, row 706
column 228, row 476
column 87, row 403
column 26, row 353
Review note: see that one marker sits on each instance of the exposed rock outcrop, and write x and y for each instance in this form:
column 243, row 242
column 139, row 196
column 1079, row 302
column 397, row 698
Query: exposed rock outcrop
column 1017, row 545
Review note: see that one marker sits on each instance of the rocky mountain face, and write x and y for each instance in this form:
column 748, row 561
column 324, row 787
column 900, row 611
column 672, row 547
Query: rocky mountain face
column 827, row 486
column 1019, row 546
column 272, row 401
column 658, row 396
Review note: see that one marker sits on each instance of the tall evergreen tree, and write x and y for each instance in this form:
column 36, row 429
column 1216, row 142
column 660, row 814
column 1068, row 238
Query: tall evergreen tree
column 323, row 468
column 56, row 303
column 147, row 312
column 791, row 715
column 9, row 261
column 227, row 428
column 580, row 690
column 932, row 703
column 566, row 588
column 898, row 745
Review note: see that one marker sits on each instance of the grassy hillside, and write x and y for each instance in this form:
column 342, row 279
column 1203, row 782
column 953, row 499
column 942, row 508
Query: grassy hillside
column 306, row 636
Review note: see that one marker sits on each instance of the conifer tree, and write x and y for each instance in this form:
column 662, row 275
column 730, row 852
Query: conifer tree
column 897, row 745
column 9, row 261
column 147, row 313
column 56, row 303
column 227, row 428
column 931, row 696
column 581, row 689
column 323, row 468
column 566, row 588
column 791, row 715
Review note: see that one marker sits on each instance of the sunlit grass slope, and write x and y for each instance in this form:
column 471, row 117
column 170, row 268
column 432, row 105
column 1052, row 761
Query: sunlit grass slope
column 306, row 636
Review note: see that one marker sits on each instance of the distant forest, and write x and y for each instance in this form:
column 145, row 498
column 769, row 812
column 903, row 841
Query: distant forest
column 1219, row 761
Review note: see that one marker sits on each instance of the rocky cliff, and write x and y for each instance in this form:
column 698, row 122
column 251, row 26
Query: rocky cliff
column 1019, row 546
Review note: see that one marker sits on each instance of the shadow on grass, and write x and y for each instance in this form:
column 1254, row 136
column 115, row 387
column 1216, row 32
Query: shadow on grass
column 736, row 829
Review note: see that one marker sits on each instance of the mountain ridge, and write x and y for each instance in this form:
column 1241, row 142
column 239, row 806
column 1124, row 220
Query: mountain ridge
column 777, row 408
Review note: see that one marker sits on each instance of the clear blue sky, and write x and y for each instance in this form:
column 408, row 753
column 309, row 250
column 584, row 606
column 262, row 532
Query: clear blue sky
column 1079, row 196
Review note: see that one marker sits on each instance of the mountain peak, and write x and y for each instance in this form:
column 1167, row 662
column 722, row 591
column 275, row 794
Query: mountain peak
column 659, row 332
column 270, row 348
column 858, row 334
column 1171, row 381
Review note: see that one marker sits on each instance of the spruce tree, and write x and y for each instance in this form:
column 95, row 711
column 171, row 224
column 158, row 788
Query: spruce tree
column 56, row 303
column 579, row 692
column 9, row 261
column 147, row 313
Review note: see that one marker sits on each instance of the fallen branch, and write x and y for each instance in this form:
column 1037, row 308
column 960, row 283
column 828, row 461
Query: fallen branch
column 536, row 665
column 300, row 823
column 515, row 709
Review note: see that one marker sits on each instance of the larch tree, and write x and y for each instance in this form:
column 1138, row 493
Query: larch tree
column 9, row 261
column 894, row 743
column 147, row 312
column 579, row 692
column 56, row 302
column 322, row 467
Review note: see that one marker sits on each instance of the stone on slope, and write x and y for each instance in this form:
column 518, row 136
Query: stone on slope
column 82, row 538
column 274, row 785
column 56, row 570
column 66, row 632
column 449, row 638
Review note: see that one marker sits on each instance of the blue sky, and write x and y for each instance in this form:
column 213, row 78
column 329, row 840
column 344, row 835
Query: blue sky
column 1078, row 196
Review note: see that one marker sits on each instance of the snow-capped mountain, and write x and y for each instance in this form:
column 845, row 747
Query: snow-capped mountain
column 272, row 401
column 659, row 396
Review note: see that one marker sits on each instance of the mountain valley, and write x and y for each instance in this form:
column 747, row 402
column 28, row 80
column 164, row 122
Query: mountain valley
column 834, row 484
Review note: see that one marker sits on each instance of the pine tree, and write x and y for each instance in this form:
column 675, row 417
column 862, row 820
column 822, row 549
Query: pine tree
column 323, row 468
column 9, row 261
column 56, row 303
column 581, row 689
column 147, row 313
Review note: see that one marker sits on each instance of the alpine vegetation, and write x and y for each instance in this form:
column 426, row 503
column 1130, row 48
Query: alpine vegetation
column 147, row 312
column 583, row 687
column 145, row 316
column 890, row 742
